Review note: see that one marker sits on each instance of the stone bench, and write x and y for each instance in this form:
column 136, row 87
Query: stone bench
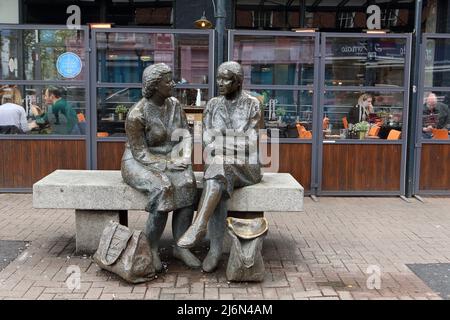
column 99, row 196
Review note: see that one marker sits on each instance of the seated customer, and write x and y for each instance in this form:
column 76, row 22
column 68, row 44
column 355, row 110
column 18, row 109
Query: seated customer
column 13, row 118
column 68, row 124
column 360, row 112
column 435, row 115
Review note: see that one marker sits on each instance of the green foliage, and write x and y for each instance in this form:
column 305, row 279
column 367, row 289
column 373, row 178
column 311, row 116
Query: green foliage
column 280, row 112
column 361, row 126
column 120, row 108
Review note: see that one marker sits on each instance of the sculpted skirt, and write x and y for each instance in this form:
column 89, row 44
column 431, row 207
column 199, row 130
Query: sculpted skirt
column 232, row 175
column 167, row 191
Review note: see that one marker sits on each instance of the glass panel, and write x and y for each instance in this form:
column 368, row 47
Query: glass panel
column 437, row 63
column 375, row 114
column 110, row 123
column 122, row 57
column 275, row 60
column 436, row 115
column 284, row 109
column 38, row 54
column 61, row 111
column 365, row 62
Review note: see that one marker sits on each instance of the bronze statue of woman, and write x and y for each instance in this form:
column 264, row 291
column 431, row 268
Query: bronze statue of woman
column 159, row 165
column 235, row 112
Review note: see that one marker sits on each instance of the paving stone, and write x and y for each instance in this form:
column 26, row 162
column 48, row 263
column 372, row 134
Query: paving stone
column 346, row 232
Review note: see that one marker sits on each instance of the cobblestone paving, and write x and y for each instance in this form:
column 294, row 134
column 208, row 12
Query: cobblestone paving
column 321, row 253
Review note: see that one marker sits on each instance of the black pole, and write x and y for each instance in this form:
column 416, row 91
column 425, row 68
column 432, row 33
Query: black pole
column 220, row 16
column 412, row 130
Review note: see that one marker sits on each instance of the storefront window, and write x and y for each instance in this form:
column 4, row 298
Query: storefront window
column 113, row 105
column 365, row 61
column 284, row 109
column 43, row 110
column 269, row 60
column 436, row 115
column 123, row 56
column 437, row 57
column 378, row 115
column 42, row 54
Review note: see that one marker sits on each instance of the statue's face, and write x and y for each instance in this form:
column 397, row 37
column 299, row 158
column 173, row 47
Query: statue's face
column 165, row 85
column 226, row 83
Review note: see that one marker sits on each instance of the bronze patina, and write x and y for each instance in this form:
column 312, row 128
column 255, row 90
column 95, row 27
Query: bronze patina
column 235, row 113
column 152, row 163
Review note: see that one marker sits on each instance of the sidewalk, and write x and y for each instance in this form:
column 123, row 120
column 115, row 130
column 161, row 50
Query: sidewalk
column 322, row 253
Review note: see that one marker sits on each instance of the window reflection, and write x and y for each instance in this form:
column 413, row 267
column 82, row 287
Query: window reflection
column 365, row 62
column 122, row 57
column 33, row 54
column 275, row 60
column 437, row 63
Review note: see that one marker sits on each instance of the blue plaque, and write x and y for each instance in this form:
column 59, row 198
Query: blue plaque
column 69, row 65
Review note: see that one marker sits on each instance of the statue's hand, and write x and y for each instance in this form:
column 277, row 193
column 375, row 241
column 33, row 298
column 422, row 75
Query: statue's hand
column 159, row 166
column 177, row 165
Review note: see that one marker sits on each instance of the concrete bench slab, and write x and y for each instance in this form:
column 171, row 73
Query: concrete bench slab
column 100, row 196
column 105, row 190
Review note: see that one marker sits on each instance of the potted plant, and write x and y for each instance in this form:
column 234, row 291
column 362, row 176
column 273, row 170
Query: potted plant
column 362, row 128
column 280, row 113
column 121, row 110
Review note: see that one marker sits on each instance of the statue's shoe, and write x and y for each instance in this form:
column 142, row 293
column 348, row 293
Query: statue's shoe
column 191, row 237
column 211, row 262
column 187, row 257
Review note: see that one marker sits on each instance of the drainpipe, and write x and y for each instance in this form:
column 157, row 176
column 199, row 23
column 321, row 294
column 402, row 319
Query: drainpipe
column 412, row 130
column 220, row 16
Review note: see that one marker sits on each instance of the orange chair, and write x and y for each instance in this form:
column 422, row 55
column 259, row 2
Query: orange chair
column 440, row 134
column 374, row 131
column 302, row 132
column 306, row 135
column 325, row 123
column 345, row 122
column 394, row 135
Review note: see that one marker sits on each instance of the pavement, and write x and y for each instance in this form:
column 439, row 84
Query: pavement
column 339, row 248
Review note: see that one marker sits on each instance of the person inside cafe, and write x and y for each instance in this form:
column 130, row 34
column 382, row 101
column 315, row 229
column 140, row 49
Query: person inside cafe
column 13, row 119
column 60, row 116
column 435, row 115
column 362, row 110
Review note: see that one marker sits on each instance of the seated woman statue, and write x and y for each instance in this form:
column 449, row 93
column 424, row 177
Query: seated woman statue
column 159, row 166
column 234, row 114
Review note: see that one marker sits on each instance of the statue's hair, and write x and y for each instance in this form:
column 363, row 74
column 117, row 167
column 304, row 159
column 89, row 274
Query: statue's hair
column 235, row 68
column 151, row 76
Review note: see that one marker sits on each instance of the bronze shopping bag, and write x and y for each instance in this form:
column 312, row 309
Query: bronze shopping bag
column 245, row 262
column 125, row 253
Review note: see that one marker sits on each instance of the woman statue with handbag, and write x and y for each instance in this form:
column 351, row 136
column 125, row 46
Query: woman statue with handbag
column 156, row 163
column 234, row 114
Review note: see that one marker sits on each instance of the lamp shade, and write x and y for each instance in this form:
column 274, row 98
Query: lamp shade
column 203, row 22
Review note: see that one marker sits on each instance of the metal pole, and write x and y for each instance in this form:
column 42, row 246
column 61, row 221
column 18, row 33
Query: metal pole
column 220, row 16
column 412, row 130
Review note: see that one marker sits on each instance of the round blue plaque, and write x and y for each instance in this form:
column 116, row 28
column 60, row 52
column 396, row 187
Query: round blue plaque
column 69, row 65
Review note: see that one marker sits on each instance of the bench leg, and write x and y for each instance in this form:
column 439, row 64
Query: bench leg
column 90, row 225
